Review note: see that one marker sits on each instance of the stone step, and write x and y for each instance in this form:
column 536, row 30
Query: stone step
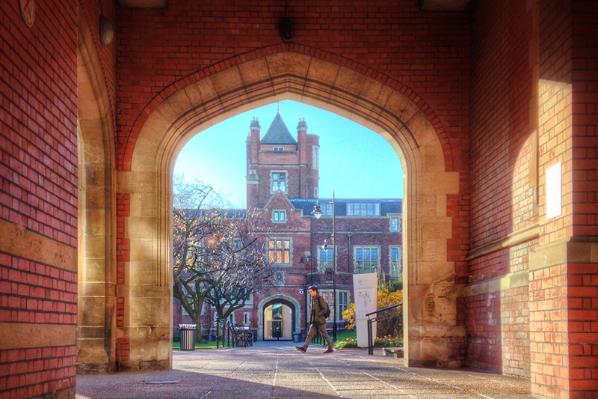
column 393, row 351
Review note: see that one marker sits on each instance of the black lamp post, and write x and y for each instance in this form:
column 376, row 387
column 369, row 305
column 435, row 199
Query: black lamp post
column 307, row 260
column 317, row 213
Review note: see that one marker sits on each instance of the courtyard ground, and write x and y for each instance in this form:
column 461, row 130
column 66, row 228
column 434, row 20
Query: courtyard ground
column 277, row 370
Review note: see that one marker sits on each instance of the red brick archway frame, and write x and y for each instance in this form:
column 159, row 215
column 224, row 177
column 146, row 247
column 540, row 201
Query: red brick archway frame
column 124, row 151
column 244, row 82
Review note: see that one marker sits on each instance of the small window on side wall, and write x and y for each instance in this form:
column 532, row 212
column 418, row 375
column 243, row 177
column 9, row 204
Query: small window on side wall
column 394, row 224
column 279, row 216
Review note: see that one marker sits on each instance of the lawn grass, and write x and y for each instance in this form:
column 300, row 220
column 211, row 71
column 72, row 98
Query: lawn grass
column 212, row 344
column 198, row 345
column 345, row 334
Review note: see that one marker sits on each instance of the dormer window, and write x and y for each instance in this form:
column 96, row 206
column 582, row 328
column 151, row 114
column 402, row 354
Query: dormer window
column 363, row 209
column 279, row 182
column 279, row 216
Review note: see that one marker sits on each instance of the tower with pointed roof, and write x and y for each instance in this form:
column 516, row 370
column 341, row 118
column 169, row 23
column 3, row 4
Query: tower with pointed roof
column 277, row 162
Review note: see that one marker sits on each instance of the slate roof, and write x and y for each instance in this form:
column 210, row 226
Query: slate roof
column 278, row 133
column 386, row 205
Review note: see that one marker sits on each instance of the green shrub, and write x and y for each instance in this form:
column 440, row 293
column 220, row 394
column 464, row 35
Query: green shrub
column 380, row 342
column 346, row 343
column 388, row 341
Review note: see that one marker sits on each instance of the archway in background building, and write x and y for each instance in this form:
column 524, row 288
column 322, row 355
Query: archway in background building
column 433, row 336
column 278, row 320
column 278, row 298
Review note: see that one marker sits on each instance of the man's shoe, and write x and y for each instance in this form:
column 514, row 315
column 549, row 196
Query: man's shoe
column 300, row 349
column 329, row 350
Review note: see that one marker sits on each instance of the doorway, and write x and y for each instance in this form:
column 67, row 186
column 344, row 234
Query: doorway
column 279, row 320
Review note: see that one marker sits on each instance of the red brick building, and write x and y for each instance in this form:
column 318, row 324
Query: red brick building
column 491, row 103
column 282, row 182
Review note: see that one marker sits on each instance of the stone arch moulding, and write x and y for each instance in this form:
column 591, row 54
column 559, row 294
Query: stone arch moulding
column 434, row 336
column 96, row 228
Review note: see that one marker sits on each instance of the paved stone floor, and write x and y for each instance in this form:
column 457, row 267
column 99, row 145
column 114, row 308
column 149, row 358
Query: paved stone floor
column 279, row 371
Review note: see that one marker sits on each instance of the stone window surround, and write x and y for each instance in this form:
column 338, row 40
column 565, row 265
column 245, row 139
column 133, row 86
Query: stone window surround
column 286, row 181
column 390, row 247
column 281, row 212
column 290, row 240
column 399, row 222
column 334, row 247
column 355, row 247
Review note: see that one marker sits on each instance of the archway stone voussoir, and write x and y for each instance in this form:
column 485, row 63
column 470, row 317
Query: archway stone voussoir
column 400, row 105
column 170, row 109
column 177, row 101
column 288, row 64
column 226, row 81
column 201, row 92
column 322, row 71
column 254, row 71
column 350, row 81
column 153, row 130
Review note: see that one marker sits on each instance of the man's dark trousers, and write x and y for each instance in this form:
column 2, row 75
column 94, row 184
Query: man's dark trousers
column 313, row 330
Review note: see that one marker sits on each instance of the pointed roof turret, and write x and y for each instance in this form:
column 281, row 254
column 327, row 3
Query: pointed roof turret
column 302, row 125
column 278, row 133
column 255, row 123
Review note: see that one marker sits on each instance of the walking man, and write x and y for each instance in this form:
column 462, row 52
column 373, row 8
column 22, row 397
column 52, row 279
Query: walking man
column 319, row 312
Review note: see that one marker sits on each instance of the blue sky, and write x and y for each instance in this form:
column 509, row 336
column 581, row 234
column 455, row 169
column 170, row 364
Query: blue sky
column 354, row 161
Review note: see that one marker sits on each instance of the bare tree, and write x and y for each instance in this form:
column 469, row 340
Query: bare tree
column 249, row 269
column 214, row 250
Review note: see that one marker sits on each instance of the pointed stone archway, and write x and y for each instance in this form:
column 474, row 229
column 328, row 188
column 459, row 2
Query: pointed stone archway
column 434, row 336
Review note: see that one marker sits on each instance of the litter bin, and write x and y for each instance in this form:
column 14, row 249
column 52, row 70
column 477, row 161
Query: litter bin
column 187, row 336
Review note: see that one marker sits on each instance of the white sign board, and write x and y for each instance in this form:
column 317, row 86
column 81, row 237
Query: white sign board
column 365, row 287
column 553, row 191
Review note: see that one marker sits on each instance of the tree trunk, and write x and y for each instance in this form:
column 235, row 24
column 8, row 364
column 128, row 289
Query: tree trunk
column 196, row 317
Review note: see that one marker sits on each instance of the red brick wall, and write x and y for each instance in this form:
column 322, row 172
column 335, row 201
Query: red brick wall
column 426, row 51
column 503, row 184
column 548, row 281
column 39, row 120
column 584, row 76
column 583, row 277
column 35, row 293
column 38, row 179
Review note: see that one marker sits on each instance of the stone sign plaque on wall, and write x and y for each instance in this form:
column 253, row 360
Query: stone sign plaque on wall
column 553, row 191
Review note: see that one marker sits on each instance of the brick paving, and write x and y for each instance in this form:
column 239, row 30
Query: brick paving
column 279, row 371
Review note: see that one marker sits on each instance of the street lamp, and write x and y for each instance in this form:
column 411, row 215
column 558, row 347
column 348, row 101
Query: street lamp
column 317, row 213
column 307, row 260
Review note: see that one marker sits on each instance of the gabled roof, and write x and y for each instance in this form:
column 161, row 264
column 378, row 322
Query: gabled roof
column 277, row 195
column 278, row 133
